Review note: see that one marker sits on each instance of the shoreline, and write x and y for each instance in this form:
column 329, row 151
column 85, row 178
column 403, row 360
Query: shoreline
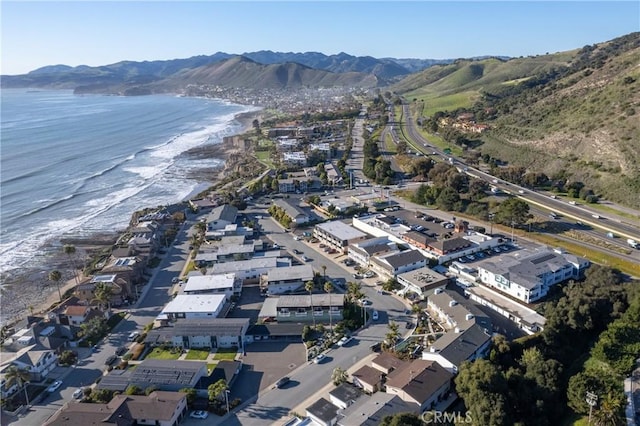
column 28, row 288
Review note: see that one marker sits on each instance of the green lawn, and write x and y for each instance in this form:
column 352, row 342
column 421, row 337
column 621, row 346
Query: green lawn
column 224, row 353
column 198, row 354
column 159, row 353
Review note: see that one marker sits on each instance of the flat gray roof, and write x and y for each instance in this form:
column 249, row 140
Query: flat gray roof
column 341, row 230
column 299, row 272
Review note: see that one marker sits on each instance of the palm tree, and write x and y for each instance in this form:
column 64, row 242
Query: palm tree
column 328, row 286
column 20, row 375
column 611, row 411
column 309, row 287
column 394, row 333
column 339, row 376
column 324, row 273
column 103, row 293
column 56, row 276
column 70, row 250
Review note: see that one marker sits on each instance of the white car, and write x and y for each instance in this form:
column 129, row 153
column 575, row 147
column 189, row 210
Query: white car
column 344, row 340
column 374, row 316
column 319, row 359
column 199, row 414
column 133, row 335
column 54, row 386
column 78, row 393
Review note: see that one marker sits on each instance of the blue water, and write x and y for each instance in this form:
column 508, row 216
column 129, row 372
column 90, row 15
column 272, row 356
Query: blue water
column 74, row 165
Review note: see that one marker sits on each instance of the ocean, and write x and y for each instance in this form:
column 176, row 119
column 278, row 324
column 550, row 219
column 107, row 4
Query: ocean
column 78, row 165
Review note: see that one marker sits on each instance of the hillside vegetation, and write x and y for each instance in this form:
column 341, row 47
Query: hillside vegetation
column 574, row 116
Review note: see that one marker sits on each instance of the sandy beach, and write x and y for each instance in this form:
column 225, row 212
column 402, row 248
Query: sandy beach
column 28, row 291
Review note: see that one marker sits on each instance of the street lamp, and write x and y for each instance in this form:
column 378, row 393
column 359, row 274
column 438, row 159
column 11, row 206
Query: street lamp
column 226, row 398
column 592, row 400
column 491, row 216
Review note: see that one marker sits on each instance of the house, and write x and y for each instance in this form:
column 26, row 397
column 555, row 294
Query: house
column 120, row 290
column 457, row 346
column 286, row 280
column 221, row 216
column 194, row 306
column 344, row 395
column 295, row 212
column 386, row 362
column 166, row 375
column 529, row 278
column 249, row 271
column 226, row 370
column 36, row 359
column 338, row 235
column 392, row 264
column 292, row 185
column 323, row 412
column 129, row 268
column 362, row 252
column 420, row 382
column 146, row 238
column 371, row 410
column 201, row 333
column 226, row 284
column 159, row 408
column 421, row 281
column 304, row 308
column 202, row 204
column 368, row 378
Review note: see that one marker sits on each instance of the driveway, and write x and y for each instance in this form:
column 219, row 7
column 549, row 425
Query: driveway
column 263, row 364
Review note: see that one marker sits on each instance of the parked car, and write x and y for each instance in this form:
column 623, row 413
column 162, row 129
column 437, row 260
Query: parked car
column 133, row 335
column 77, row 394
column 305, row 259
column 283, row 381
column 296, row 251
column 319, row 359
column 374, row 316
column 110, row 360
column 344, row 340
column 54, row 386
column 199, row 414
column 121, row 350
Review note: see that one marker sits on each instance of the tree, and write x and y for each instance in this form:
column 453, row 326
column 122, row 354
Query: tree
column 309, row 287
column 101, row 395
column 483, row 386
column 448, row 199
column 93, row 329
column 191, row 395
column 56, row 276
column 133, row 390
column 338, row 376
column 68, row 358
column 215, row 389
column 512, row 211
column 70, row 250
column 21, row 376
column 393, row 335
column 102, row 294
column 610, row 411
column 402, row 419
column 150, row 389
column 328, row 286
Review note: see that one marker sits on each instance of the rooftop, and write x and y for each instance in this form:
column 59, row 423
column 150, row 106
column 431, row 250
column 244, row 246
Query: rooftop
column 341, row 230
column 184, row 303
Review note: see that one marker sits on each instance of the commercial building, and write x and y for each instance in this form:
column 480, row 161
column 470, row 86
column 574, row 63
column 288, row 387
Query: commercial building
column 338, row 235
column 194, row 306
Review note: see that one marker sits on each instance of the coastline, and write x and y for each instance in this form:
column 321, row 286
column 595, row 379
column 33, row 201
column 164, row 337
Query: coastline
column 29, row 290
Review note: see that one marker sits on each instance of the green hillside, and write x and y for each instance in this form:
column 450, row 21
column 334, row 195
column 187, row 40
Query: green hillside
column 573, row 115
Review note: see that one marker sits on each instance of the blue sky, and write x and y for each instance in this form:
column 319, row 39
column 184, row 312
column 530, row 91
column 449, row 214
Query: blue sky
column 36, row 34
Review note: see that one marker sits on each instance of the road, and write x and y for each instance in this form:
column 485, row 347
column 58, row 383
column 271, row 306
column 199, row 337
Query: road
column 620, row 226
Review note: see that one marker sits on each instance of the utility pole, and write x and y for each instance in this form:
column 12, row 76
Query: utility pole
column 491, row 215
column 592, row 400
column 226, row 398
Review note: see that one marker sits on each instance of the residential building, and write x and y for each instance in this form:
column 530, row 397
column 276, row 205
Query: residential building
column 323, row 412
column 368, row 378
column 294, row 211
column 420, row 382
column 129, row 268
column 364, row 251
column 166, row 375
column 422, row 281
column 292, row 185
column 386, row 362
column 286, row 280
column 529, row 278
column 159, row 409
column 294, row 158
column 120, row 289
column 226, row 284
column 221, row 216
column 194, row 306
column 371, row 410
column 344, row 395
column 392, row 264
column 338, row 235
column 304, row 308
column 203, row 204
column 35, row 358
column 249, row 271
column 201, row 333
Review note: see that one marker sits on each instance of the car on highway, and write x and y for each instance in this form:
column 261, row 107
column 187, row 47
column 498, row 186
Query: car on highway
column 77, row 394
column 283, row 381
column 319, row 359
column 54, row 386
column 200, row 414
column 344, row 340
